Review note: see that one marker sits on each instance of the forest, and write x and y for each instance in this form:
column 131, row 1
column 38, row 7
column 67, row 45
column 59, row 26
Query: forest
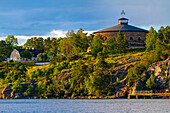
column 84, row 66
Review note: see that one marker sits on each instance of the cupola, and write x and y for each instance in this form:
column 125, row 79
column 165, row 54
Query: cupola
column 123, row 21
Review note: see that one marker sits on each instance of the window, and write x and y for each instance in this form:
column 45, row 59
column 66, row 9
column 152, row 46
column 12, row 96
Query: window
column 131, row 38
column 139, row 38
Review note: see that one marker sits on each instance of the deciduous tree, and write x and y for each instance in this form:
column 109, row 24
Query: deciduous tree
column 26, row 54
column 11, row 40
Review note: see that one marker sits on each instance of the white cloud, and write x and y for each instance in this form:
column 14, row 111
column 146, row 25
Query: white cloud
column 2, row 38
column 57, row 33
column 89, row 32
column 53, row 33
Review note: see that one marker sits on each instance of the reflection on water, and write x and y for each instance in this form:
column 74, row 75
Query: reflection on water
column 85, row 105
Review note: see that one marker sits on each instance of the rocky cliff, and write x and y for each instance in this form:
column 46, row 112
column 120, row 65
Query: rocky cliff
column 161, row 72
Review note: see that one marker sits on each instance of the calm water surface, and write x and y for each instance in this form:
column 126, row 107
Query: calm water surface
column 85, row 105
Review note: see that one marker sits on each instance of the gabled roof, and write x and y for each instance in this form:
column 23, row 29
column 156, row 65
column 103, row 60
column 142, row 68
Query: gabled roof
column 121, row 27
column 35, row 52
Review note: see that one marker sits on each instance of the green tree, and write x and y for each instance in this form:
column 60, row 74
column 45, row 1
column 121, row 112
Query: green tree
column 42, row 57
column 2, row 50
column 36, row 43
column 18, row 71
column 11, row 40
column 125, row 43
column 65, row 47
column 159, row 47
column 47, row 45
column 160, row 33
column 96, row 45
column 101, row 60
column 60, row 88
column 151, row 38
column 79, row 73
column 79, row 41
column 98, row 82
column 16, row 88
column 83, row 40
column 166, row 34
column 90, row 38
column 111, row 45
column 121, row 42
column 40, row 89
column 54, row 47
column 26, row 54
column 150, row 83
column 9, row 45
column 50, row 91
column 74, row 43
column 134, row 73
column 30, row 90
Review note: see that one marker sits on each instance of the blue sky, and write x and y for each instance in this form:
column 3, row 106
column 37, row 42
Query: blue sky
column 26, row 18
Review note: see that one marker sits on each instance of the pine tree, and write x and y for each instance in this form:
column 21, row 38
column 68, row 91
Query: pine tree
column 166, row 34
column 111, row 45
column 16, row 88
column 30, row 90
column 159, row 47
column 40, row 89
column 96, row 45
column 125, row 43
column 151, row 39
column 79, row 73
column 83, row 40
column 150, row 83
column 121, row 42
column 160, row 33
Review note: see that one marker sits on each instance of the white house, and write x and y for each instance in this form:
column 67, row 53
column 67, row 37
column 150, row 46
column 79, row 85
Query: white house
column 16, row 54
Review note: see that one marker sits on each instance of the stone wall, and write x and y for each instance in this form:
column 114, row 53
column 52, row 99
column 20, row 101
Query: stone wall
column 131, row 36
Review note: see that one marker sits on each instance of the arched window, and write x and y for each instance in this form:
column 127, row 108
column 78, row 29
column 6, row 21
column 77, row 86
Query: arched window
column 131, row 38
column 139, row 38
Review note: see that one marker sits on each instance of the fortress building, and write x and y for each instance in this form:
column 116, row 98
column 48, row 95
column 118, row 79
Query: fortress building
column 134, row 35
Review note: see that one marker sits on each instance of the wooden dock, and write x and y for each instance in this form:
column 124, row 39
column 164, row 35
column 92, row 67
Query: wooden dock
column 143, row 94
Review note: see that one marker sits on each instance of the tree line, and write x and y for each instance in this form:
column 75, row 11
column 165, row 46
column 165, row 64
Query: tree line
column 75, row 72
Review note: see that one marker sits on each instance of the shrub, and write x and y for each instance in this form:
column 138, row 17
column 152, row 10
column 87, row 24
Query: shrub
column 11, row 61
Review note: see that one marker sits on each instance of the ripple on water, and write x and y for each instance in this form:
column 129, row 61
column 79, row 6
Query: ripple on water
column 85, row 105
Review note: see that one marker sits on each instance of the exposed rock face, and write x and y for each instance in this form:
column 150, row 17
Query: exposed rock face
column 139, row 85
column 117, row 72
column 161, row 71
column 6, row 92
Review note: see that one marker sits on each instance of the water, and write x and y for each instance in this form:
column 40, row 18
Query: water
column 85, row 105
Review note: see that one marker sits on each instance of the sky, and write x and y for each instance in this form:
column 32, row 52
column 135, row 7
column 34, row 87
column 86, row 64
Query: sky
column 43, row 18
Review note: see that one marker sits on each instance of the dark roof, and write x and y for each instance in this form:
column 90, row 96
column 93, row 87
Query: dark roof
column 121, row 27
column 122, row 19
column 35, row 52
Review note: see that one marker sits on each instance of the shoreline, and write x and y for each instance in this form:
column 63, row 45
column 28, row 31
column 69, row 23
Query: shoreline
column 89, row 97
